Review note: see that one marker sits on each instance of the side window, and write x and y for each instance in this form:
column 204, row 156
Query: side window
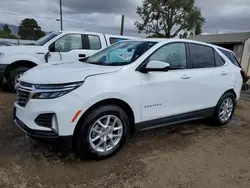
column 69, row 42
column 113, row 40
column 219, row 61
column 174, row 54
column 94, row 42
column 203, row 56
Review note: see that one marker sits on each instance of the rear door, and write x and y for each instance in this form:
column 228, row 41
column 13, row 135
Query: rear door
column 211, row 76
column 94, row 43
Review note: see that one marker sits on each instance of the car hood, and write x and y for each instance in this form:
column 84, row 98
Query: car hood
column 27, row 49
column 65, row 72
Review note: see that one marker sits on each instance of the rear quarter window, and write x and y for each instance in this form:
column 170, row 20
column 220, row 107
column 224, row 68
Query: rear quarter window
column 231, row 57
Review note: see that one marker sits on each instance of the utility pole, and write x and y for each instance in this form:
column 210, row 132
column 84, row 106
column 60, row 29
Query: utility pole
column 122, row 25
column 61, row 15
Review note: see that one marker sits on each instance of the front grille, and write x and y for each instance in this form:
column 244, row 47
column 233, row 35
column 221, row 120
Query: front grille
column 23, row 93
column 22, row 97
column 25, row 84
column 44, row 120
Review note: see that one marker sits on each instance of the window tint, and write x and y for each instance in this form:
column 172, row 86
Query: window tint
column 219, row 61
column 94, row 42
column 113, row 40
column 174, row 54
column 121, row 53
column 69, row 42
column 234, row 60
column 203, row 56
column 231, row 57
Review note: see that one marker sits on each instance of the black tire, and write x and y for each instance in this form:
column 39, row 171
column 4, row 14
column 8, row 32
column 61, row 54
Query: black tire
column 13, row 74
column 216, row 120
column 83, row 147
column 244, row 87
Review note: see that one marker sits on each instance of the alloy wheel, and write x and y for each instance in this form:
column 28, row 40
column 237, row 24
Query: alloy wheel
column 105, row 134
column 226, row 109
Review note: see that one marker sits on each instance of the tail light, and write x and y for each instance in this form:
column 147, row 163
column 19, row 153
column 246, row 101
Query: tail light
column 244, row 76
column 243, row 73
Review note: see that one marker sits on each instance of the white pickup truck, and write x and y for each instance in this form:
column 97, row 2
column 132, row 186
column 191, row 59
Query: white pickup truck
column 58, row 46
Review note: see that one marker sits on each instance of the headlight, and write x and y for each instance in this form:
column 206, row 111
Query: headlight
column 1, row 55
column 52, row 91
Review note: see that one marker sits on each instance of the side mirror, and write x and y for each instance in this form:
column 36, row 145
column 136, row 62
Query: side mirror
column 52, row 47
column 159, row 66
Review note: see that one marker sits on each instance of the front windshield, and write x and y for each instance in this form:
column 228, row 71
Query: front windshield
column 121, row 53
column 46, row 38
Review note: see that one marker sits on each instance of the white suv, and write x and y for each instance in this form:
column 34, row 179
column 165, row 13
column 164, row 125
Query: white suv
column 131, row 85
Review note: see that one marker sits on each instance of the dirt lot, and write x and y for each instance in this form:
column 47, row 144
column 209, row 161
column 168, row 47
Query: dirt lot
column 191, row 155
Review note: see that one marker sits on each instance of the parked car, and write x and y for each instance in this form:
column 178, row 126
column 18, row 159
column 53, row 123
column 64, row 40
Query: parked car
column 54, row 47
column 150, row 83
column 4, row 43
column 231, row 56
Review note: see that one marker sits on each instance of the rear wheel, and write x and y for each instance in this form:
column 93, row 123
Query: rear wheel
column 224, row 110
column 103, row 132
column 244, row 87
column 14, row 75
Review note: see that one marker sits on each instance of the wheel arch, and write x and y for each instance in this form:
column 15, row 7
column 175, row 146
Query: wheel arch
column 19, row 63
column 230, row 91
column 122, row 104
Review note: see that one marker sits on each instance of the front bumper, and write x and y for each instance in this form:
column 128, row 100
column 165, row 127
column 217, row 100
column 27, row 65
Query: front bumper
column 45, row 136
column 64, row 109
column 2, row 71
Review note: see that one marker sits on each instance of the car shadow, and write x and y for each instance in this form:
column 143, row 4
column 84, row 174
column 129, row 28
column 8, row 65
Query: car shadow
column 5, row 88
column 175, row 136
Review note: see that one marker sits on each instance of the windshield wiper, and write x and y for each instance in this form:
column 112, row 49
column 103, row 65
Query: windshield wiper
column 109, row 64
column 95, row 63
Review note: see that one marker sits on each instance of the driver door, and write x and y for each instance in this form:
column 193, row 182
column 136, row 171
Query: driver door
column 69, row 47
column 167, row 93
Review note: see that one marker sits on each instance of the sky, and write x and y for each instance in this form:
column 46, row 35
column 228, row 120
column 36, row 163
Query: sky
column 105, row 15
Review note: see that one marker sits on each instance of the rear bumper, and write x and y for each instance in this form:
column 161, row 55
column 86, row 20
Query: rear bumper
column 2, row 71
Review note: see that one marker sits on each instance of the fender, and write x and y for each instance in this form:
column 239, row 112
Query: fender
column 22, row 57
column 114, row 95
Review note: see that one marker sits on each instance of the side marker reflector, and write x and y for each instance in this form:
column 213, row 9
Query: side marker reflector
column 76, row 115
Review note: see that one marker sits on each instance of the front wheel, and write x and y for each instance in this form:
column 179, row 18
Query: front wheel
column 224, row 110
column 14, row 75
column 103, row 132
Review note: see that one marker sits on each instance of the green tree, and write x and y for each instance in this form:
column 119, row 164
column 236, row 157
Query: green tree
column 198, row 29
column 167, row 18
column 6, row 29
column 184, row 35
column 6, row 33
column 30, row 30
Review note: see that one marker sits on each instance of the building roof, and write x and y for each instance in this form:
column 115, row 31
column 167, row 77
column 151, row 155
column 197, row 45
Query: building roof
column 222, row 38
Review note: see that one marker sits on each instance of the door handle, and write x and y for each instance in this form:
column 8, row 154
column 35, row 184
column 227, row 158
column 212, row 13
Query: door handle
column 223, row 73
column 82, row 55
column 185, row 77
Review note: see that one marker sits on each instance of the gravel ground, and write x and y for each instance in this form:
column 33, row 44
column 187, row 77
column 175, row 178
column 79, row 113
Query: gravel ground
column 191, row 155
